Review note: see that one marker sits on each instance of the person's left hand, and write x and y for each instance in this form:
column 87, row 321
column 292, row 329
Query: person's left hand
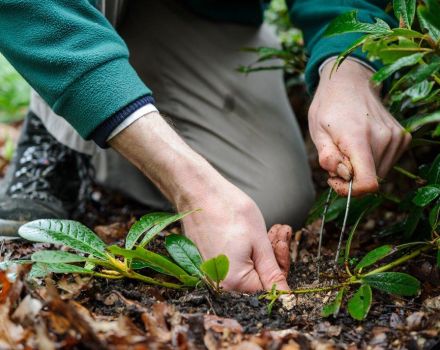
column 351, row 128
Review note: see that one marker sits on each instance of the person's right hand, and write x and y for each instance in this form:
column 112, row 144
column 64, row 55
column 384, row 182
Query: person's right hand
column 230, row 222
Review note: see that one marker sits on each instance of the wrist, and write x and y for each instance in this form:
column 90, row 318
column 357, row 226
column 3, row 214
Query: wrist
column 349, row 75
column 180, row 173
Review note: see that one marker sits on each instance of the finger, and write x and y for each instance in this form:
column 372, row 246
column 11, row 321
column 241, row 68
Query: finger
column 280, row 236
column 361, row 157
column 404, row 142
column 345, row 169
column 329, row 154
column 247, row 281
column 392, row 149
column 267, row 266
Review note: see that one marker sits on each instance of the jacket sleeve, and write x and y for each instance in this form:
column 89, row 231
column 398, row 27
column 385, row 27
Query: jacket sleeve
column 72, row 57
column 313, row 17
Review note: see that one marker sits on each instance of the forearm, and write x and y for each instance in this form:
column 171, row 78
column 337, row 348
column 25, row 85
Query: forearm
column 161, row 154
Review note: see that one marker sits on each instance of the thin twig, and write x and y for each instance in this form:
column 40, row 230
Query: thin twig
column 344, row 223
column 321, row 230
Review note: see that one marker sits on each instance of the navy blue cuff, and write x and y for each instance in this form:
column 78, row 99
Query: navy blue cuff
column 103, row 131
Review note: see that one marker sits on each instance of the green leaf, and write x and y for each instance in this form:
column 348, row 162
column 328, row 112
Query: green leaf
column 70, row 233
column 426, row 195
column 4, row 265
column 434, row 215
column 360, row 303
column 411, row 222
column 419, row 91
column 185, row 253
column 375, row 255
column 351, row 235
column 414, row 123
column 397, row 283
column 405, row 10
column 438, row 257
column 38, row 270
column 161, row 225
column 429, row 20
column 56, row 256
column 216, row 268
column 141, row 226
column 334, row 307
column 60, row 268
column 388, row 70
column 348, row 23
column 433, row 175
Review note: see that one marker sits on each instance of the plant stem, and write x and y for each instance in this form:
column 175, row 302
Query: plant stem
column 409, row 174
column 150, row 280
column 397, row 262
column 103, row 275
column 324, row 289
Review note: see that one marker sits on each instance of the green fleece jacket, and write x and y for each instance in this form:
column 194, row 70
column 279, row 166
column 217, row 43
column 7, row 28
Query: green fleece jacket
column 76, row 61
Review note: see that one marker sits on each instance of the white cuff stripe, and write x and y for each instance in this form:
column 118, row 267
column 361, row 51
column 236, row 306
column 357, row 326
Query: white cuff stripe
column 365, row 64
column 147, row 109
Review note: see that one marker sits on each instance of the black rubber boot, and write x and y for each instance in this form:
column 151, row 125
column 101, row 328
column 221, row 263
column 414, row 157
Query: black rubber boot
column 45, row 180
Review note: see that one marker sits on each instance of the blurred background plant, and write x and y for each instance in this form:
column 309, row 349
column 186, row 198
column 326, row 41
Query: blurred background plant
column 14, row 93
column 14, row 101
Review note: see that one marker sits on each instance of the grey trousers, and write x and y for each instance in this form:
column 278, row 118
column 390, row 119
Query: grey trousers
column 242, row 124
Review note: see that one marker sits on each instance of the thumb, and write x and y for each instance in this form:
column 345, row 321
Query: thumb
column 330, row 157
column 364, row 168
column 267, row 267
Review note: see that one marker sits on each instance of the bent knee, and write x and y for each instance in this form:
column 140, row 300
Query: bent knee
column 287, row 204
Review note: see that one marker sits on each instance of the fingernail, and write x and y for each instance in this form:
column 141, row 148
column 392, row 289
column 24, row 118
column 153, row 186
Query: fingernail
column 343, row 172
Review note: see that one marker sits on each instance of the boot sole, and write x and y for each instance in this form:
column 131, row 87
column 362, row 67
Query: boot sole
column 9, row 228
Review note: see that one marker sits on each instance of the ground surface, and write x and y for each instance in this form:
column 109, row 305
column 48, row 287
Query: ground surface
column 71, row 312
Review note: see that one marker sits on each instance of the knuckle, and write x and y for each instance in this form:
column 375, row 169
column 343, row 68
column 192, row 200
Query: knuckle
column 370, row 185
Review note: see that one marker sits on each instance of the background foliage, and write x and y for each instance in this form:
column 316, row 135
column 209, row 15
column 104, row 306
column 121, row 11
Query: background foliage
column 14, row 93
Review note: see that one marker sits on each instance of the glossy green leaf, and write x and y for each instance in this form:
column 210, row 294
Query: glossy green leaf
column 386, row 71
column 141, row 226
column 397, row 283
column 373, row 256
column 334, row 307
column 360, row 303
column 405, row 10
column 414, row 123
column 216, row 268
column 56, row 256
column 70, row 233
column 160, row 226
column 348, row 23
column 434, row 215
column 185, row 253
column 429, row 20
column 426, row 195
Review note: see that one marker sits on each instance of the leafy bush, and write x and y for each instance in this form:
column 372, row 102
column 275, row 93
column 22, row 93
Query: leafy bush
column 186, row 266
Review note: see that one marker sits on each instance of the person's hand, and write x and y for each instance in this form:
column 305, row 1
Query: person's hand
column 351, row 128
column 229, row 223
